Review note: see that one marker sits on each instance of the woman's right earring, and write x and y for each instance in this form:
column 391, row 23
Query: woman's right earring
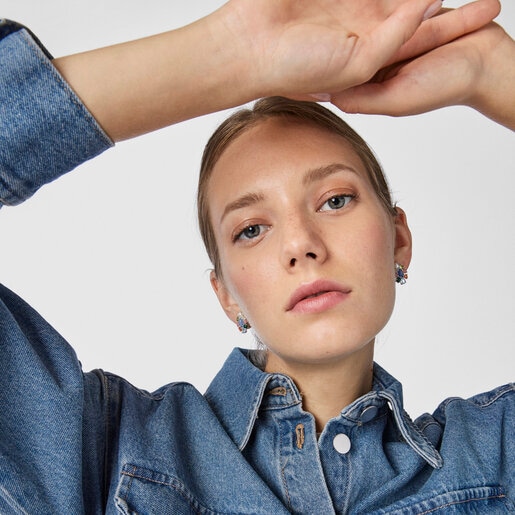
column 401, row 274
column 242, row 322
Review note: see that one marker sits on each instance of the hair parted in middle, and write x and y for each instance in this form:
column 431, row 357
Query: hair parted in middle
column 294, row 111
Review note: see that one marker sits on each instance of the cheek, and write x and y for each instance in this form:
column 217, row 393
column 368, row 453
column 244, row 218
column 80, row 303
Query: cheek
column 369, row 243
column 379, row 247
column 250, row 280
column 370, row 254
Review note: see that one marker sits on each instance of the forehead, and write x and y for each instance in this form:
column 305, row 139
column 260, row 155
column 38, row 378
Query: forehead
column 278, row 149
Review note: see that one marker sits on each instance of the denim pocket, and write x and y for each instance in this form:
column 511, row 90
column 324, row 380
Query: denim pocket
column 491, row 500
column 143, row 491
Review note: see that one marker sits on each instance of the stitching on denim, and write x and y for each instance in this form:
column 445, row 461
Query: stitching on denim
column 349, row 473
column 134, row 474
column 500, row 496
column 107, row 429
column 66, row 88
column 501, row 391
column 280, row 406
column 410, row 432
column 429, row 423
column 10, row 498
column 254, row 411
column 193, row 503
column 375, row 420
column 144, row 393
column 283, row 478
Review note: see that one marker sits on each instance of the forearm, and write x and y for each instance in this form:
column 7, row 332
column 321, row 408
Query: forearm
column 143, row 85
column 243, row 51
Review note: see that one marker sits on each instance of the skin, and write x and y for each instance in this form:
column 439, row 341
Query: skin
column 479, row 69
column 246, row 50
column 326, row 346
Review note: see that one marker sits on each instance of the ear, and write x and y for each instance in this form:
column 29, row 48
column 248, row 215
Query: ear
column 226, row 300
column 403, row 242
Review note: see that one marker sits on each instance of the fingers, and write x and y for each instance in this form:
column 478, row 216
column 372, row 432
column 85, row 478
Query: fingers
column 449, row 25
column 397, row 29
column 441, row 78
column 378, row 98
column 370, row 43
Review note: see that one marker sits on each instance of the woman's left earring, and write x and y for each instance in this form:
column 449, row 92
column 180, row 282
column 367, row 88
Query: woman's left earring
column 401, row 274
column 242, row 322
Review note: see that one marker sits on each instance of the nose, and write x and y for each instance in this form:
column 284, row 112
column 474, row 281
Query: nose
column 302, row 244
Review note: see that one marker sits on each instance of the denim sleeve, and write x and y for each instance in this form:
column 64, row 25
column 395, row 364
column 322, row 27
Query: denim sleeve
column 45, row 130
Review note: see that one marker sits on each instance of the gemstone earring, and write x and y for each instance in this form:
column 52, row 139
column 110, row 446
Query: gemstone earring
column 401, row 274
column 242, row 322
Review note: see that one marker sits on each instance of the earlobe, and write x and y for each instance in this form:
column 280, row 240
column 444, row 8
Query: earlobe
column 403, row 241
column 226, row 300
column 229, row 305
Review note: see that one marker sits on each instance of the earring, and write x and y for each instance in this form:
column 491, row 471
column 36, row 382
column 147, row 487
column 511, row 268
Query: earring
column 401, row 274
column 242, row 322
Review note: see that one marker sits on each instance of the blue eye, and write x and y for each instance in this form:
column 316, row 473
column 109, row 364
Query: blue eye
column 250, row 232
column 336, row 202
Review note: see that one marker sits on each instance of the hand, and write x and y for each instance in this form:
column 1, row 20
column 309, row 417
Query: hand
column 304, row 46
column 477, row 70
column 297, row 47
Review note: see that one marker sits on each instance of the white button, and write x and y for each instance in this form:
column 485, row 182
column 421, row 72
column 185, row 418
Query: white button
column 341, row 443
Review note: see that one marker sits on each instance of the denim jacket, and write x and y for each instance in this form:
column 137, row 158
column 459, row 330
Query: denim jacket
column 74, row 442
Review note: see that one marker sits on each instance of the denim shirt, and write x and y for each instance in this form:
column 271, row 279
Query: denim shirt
column 45, row 130
column 74, row 442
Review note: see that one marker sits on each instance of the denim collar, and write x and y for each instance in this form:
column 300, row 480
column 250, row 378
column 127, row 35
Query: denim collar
column 239, row 389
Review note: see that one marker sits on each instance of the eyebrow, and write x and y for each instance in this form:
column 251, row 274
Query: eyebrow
column 317, row 174
column 310, row 176
column 246, row 200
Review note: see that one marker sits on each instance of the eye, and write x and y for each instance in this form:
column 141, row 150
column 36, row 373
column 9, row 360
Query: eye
column 250, row 232
column 337, row 202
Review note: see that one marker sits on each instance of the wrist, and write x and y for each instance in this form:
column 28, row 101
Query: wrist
column 494, row 93
column 231, row 62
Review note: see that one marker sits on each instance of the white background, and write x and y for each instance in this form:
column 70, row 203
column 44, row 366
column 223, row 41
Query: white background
column 111, row 256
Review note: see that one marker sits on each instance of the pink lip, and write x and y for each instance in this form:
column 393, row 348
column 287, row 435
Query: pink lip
column 317, row 296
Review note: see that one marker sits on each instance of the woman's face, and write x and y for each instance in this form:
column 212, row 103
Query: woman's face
column 307, row 251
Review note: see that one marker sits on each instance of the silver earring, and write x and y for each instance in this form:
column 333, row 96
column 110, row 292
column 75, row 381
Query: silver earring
column 242, row 322
column 401, row 274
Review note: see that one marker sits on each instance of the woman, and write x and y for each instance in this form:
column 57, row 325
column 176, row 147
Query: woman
column 111, row 446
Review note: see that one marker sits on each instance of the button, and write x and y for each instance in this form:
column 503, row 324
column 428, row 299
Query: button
column 341, row 443
column 368, row 413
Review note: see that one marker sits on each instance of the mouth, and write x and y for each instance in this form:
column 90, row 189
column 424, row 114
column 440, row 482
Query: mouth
column 317, row 296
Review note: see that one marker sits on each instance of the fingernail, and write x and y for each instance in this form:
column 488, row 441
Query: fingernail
column 432, row 10
column 322, row 97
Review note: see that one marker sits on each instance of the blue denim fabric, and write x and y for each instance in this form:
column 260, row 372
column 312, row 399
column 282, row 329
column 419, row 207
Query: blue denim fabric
column 92, row 443
column 45, row 130
column 74, row 443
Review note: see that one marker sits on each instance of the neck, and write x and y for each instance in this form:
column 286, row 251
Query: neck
column 327, row 388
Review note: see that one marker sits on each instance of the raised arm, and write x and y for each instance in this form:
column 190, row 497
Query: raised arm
column 240, row 52
column 243, row 51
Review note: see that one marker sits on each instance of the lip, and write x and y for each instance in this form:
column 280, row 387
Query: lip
column 317, row 296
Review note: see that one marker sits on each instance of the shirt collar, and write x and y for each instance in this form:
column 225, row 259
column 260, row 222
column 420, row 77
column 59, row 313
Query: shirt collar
column 237, row 391
column 235, row 395
column 387, row 390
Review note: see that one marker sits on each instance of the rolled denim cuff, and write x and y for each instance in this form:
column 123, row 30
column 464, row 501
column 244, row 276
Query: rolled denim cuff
column 45, row 130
